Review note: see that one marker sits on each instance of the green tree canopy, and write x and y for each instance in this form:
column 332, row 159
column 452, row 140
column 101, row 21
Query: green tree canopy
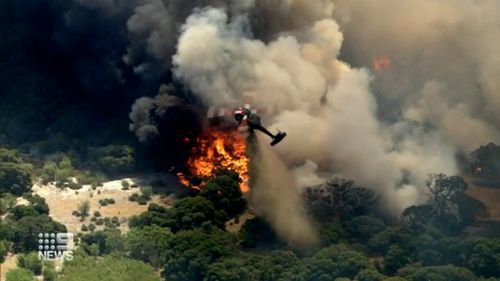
column 106, row 241
column 26, row 229
column 15, row 173
column 442, row 273
column 224, row 192
column 335, row 261
column 257, row 232
column 109, row 268
column 20, row 274
column 149, row 244
column 31, row 262
column 269, row 266
column 482, row 255
column 113, row 159
column 186, row 213
column 191, row 252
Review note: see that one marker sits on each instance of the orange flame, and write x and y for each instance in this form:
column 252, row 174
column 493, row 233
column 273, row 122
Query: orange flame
column 381, row 63
column 215, row 150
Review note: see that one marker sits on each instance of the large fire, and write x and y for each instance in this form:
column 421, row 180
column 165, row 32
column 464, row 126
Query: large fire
column 215, row 150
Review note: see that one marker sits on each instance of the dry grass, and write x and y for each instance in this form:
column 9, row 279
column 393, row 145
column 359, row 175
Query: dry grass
column 490, row 198
column 9, row 263
column 62, row 202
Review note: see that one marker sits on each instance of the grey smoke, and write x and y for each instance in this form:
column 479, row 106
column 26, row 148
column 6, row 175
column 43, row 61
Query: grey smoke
column 275, row 196
column 145, row 111
column 309, row 58
column 386, row 130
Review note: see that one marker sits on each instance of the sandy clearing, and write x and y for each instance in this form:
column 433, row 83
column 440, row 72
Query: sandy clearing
column 63, row 201
column 9, row 263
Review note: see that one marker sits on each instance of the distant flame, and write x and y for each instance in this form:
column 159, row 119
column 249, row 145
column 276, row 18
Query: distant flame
column 381, row 63
column 215, row 150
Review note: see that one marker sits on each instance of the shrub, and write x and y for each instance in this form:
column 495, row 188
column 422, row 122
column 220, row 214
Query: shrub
column 142, row 201
column 133, row 197
column 125, row 184
column 147, row 191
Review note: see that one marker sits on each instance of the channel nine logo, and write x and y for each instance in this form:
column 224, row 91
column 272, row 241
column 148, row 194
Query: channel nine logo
column 53, row 246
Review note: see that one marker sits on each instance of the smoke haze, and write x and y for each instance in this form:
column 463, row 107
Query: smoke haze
column 387, row 129
column 284, row 213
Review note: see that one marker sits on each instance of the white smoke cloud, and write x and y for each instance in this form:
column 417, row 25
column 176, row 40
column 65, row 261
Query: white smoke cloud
column 440, row 97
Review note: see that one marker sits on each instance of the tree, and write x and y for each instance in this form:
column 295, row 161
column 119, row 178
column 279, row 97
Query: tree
column 332, row 232
column 113, row 159
column 186, row 213
column 380, row 242
column 395, row 258
column 487, row 159
column 370, row 275
column 38, row 203
column 4, row 249
column 149, row 244
column 225, row 193
column 7, row 201
column 15, row 173
column 257, row 232
column 429, row 257
column 336, row 261
column 276, row 265
column 49, row 171
column 418, row 216
column 191, row 252
column 482, row 255
column 20, row 274
column 339, row 198
column 125, row 184
column 442, row 273
column 26, row 229
column 107, row 241
column 109, row 268
column 49, row 273
column 64, row 171
column 146, row 192
column 31, row 262
column 364, row 227
column 37, row 206
column 83, row 209
column 451, row 250
column 444, row 192
column 21, row 211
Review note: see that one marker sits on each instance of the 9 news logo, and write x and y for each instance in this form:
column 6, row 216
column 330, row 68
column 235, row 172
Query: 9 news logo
column 53, row 246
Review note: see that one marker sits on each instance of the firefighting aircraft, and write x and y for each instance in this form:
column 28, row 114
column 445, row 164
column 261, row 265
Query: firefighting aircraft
column 248, row 119
column 245, row 116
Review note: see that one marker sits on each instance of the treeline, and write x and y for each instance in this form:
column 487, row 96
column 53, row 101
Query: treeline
column 189, row 242
column 72, row 169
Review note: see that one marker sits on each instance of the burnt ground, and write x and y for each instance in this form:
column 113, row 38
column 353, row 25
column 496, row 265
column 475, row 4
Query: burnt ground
column 488, row 222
